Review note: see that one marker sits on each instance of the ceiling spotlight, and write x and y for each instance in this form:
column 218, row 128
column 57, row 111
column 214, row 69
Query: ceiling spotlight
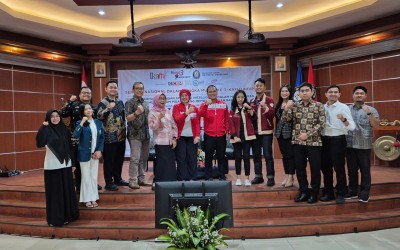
column 101, row 12
column 189, row 41
column 279, row 5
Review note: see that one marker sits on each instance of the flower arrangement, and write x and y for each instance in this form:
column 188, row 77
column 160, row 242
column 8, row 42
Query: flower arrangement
column 201, row 156
column 194, row 229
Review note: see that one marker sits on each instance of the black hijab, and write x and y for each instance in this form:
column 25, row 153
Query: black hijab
column 56, row 137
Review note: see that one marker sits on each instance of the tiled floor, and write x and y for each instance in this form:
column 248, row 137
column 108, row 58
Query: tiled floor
column 377, row 240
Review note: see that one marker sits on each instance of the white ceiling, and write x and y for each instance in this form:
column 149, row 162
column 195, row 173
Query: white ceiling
column 64, row 21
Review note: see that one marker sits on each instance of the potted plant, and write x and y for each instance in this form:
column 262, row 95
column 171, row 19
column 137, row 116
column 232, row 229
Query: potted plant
column 193, row 229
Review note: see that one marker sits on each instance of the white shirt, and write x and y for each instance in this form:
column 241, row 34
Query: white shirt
column 93, row 128
column 334, row 126
column 51, row 162
column 187, row 128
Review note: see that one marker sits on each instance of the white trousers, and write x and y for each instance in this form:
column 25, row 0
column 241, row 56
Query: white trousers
column 89, row 172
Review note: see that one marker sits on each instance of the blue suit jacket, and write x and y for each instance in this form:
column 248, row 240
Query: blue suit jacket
column 85, row 140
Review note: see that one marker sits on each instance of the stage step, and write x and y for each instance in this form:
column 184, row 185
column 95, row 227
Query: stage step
column 257, row 214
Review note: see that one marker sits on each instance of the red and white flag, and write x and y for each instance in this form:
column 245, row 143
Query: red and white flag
column 83, row 84
column 311, row 79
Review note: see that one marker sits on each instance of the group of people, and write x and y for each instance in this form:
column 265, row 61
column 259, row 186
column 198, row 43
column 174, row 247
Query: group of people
column 306, row 131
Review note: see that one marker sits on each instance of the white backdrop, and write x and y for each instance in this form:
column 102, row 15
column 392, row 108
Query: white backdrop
column 171, row 81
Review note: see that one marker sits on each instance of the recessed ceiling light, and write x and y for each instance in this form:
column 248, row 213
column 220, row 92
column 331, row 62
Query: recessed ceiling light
column 279, row 5
column 101, row 12
column 189, row 41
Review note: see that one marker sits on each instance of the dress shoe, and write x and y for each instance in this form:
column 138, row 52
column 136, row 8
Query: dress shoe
column 302, row 197
column 327, row 197
column 350, row 196
column 134, row 185
column 312, row 199
column 270, row 182
column 99, row 187
column 121, row 183
column 257, row 180
column 144, row 183
column 111, row 187
column 339, row 199
column 222, row 178
column 209, row 179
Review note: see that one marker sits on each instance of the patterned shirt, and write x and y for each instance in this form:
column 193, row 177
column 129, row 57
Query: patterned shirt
column 113, row 121
column 361, row 137
column 138, row 129
column 282, row 129
column 164, row 130
column 309, row 118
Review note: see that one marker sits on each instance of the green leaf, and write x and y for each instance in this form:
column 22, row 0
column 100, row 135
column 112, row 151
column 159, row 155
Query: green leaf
column 179, row 218
column 186, row 214
column 195, row 241
column 198, row 234
column 210, row 247
column 170, row 223
column 164, row 237
column 217, row 218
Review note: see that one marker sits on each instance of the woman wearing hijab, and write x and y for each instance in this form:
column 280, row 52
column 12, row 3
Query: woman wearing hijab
column 164, row 133
column 187, row 119
column 91, row 143
column 61, row 203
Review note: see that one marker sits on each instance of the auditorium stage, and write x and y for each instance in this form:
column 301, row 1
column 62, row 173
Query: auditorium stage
column 259, row 211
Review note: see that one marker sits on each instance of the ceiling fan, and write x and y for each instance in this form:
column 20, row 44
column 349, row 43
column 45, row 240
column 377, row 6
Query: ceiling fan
column 253, row 37
column 135, row 40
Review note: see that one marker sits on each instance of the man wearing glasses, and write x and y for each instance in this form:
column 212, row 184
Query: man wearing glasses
column 137, row 111
column 71, row 109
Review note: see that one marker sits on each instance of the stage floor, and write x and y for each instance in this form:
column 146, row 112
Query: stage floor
column 34, row 181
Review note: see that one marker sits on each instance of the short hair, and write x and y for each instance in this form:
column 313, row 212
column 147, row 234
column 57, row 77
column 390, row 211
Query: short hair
column 259, row 80
column 211, row 86
column 306, row 84
column 85, row 87
column 331, row 87
column 136, row 83
column 360, row 87
column 111, row 81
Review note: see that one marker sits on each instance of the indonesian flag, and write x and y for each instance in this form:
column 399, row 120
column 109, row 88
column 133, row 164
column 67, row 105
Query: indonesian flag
column 83, row 84
column 311, row 79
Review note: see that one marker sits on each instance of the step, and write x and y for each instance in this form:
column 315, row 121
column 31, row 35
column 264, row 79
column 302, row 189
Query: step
column 261, row 228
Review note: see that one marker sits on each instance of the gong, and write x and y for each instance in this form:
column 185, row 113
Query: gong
column 384, row 149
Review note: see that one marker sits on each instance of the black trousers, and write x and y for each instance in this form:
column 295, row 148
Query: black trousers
column 286, row 148
column 217, row 144
column 313, row 153
column 265, row 141
column 166, row 165
column 242, row 151
column 113, row 156
column 333, row 157
column 359, row 159
column 77, row 165
column 186, row 158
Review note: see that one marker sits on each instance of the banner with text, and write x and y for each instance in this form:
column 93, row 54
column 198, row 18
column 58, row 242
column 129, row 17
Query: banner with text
column 171, row 81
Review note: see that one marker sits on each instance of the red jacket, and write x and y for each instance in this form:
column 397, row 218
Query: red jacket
column 216, row 118
column 179, row 114
column 265, row 122
column 249, row 133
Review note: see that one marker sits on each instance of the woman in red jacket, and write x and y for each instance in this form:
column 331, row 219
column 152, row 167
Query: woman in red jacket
column 242, row 134
column 188, row 122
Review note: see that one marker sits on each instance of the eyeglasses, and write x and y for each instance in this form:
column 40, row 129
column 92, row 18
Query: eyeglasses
column 86, row 93
column 138, row 88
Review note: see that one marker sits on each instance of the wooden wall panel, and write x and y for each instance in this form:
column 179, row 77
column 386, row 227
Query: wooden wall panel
column 322, row 77
column 348, row 73
column 25, row 142
column 26, row 81
column 387, row 68
column 5, row 79
column 6, row 103
column 392, row 88
column 35, row 121
column 66, row 85
column 33, row 101
column 7, row 160
column 7, row 122
column 30, row 160
column 7, row 145
column 388, row 110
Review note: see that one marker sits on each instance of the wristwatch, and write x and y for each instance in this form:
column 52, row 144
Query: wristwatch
column 344, row 120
